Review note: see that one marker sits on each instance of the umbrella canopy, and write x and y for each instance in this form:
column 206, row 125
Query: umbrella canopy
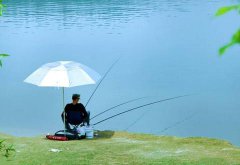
column 63, row 74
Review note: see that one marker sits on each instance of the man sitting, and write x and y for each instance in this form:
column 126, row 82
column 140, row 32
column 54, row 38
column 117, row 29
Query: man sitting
column 75, row 107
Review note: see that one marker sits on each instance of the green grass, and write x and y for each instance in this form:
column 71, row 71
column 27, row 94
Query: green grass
column 122, row 148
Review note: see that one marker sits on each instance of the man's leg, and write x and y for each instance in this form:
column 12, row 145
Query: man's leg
column 67, row 126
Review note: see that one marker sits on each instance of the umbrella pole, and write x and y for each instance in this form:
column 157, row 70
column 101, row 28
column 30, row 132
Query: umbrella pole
column 64, row 117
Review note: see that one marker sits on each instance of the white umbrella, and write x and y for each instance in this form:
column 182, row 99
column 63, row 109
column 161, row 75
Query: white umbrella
column 63, row 74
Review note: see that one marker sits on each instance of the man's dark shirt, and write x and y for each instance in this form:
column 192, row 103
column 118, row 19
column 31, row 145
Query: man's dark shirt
column 76, row 107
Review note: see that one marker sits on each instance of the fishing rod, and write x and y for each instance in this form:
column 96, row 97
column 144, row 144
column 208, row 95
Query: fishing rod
column 102, row 80
column 116, row 107
column 165, row 129
column 179, row 122
column 155, row 102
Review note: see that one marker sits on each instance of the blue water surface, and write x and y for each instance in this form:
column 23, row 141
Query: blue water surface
column 167, row 48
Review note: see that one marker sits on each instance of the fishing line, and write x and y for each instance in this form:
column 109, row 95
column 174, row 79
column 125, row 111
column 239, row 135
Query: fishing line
column 140, row 117
column 116, row 106
column 165, row 129
column 140, row 107
column 102, row 80
column 179, row 122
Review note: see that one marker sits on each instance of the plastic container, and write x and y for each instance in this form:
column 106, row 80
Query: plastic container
column 89, row 132
column 81, row 131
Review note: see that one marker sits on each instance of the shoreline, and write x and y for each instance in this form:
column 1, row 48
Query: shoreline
column 122, row 148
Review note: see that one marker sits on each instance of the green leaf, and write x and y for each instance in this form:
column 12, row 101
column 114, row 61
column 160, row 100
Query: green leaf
column 226, row 9
column 235, row 40
column 236, row 37
column 223, row 49
column 4, row 55
column 1, row 9
column 8, row 151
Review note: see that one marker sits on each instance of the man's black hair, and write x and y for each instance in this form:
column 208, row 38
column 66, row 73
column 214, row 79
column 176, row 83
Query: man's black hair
column 75, row 96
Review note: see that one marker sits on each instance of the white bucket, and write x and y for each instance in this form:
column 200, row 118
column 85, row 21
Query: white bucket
column 81, row 131
column 89, row 132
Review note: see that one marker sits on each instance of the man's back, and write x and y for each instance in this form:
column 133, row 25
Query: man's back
column 76, row 107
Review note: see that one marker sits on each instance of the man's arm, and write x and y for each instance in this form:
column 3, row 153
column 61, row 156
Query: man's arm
column 84, row 111
column 65, row 110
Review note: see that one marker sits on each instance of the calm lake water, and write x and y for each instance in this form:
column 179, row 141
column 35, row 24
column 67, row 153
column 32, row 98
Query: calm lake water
column 167, row 48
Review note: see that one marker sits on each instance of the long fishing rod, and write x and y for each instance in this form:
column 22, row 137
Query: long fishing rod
column 165, row 129
column 102, row 80
column 116, row 107
column 140, row 107
column 179, row 122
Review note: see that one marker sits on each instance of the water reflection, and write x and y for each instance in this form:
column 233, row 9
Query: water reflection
column 79, row 13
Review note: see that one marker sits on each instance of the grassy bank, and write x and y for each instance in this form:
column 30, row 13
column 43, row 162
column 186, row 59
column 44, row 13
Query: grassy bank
column 121, row 148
